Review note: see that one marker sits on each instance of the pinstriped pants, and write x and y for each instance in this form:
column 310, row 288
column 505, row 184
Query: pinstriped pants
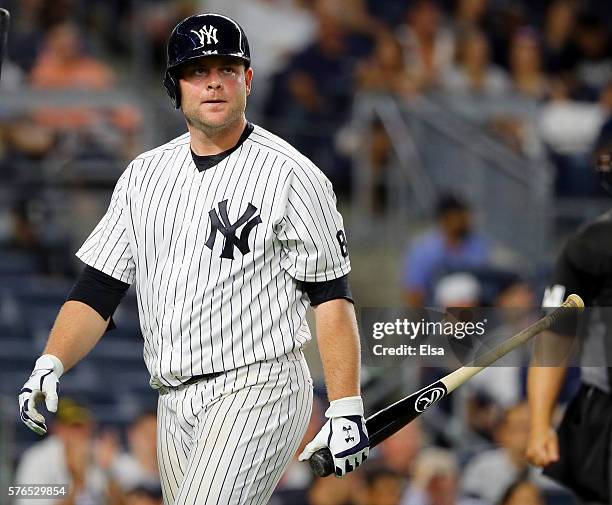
column 228, row 440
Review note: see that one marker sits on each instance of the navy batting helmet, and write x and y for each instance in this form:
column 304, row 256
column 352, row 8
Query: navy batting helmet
column 203, row 35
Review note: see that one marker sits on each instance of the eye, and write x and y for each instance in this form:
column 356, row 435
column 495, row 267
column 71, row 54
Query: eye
column 228, row 70
column 199, row 71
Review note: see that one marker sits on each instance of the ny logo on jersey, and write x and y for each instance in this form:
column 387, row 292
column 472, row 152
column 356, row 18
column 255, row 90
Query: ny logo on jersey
column 228, row 230
column 206, row 32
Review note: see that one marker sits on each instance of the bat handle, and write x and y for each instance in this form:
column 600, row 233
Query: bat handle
column 322, row 463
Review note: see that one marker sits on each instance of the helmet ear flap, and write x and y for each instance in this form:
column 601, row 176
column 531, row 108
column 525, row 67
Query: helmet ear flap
column 172, row 88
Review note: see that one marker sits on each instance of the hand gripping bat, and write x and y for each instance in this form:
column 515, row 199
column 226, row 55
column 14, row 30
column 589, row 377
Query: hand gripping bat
column 391, row 419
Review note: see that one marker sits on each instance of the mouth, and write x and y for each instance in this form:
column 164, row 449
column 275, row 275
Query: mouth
column 214, row 101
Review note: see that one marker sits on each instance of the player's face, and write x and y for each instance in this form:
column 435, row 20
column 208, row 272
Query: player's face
column 214, row 91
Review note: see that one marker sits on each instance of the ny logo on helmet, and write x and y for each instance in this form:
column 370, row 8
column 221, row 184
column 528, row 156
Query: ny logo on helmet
column 206, row 32
column 228, row 230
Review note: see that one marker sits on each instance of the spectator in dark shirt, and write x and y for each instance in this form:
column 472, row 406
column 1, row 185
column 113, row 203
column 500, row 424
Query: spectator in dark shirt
column 470, row 15
column 559, row 49
column 528, row 78
column 604, row 139
column 428, row 44
column 26, row 32
column 313, row 97
column 474, row 74
column 594, row 69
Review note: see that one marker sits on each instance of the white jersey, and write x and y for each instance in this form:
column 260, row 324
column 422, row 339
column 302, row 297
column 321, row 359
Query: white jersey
column 218, row 255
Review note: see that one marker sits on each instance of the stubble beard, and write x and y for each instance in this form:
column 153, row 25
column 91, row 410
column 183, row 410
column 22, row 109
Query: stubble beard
column 197, row 120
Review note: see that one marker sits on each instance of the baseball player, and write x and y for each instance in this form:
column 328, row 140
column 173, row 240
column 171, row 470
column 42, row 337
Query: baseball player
column 228, row 233
column 579, row 453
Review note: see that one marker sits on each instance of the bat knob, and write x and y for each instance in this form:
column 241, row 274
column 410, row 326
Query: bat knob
column 576, row 301
column 322, row 463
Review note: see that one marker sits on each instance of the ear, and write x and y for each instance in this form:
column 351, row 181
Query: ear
column 248, row 79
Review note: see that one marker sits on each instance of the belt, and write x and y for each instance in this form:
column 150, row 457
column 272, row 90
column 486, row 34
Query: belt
column 198, row 378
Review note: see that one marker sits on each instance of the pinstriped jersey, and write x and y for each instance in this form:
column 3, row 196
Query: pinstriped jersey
column 217, row 255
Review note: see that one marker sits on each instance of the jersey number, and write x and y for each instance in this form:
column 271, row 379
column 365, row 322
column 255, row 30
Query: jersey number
column 342, row 241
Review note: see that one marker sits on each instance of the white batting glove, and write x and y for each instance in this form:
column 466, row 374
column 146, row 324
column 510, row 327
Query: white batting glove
column 345, row 435
column 42, row 384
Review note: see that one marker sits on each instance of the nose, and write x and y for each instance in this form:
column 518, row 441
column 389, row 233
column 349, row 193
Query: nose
column 214, row 81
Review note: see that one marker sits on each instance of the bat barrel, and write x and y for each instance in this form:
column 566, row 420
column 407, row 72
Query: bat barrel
column 463, row 374
column 388, row 421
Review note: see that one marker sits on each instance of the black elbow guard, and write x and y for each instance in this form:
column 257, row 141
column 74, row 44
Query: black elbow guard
column 100, row 291
column 320, row 292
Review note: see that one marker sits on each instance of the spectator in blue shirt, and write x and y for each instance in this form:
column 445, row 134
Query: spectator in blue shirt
column 450, row 246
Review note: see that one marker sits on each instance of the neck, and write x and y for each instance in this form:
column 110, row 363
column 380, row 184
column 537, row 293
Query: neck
column 215, row 141
column 475, row 70
column 426, row 38
column 526, row 74
column 555, row 36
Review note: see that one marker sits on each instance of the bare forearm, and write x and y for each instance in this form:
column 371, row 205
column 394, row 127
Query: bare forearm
column 543, row 387
column 546, row 376
column 76, row 331
column 338, row 340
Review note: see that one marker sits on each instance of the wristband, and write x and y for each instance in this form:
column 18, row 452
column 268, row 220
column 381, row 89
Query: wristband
column 348, row 406
column 49, row 360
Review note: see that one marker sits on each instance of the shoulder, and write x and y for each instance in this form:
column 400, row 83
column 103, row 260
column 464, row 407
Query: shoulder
column 49, row 449
column 427, row 242
column 477, row 241
column 454, row 76
column 143, row 161
column 496, row 76
column 293, row 161
column 267, row 140
column 497, row 73
column 180, row 142
column 590, row 249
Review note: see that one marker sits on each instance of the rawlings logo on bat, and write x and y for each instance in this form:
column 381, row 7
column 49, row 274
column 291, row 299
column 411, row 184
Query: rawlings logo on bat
column 427, row 398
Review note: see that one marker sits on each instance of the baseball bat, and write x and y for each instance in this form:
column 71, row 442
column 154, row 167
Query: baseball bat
column 391, row 419
column 4, row 26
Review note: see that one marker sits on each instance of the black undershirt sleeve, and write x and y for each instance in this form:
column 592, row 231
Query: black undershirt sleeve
column 321, row 292
column 572, row 278
column 100, row 291
column 571, row 275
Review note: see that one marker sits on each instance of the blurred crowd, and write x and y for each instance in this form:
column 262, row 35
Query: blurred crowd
column 93, row 461
column 548, row 61
column 468, row 450
column 536, row 75
column 533, row 74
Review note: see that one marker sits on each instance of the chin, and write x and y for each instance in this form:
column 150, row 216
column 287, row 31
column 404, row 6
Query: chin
column 218, row 121
column 213, row 123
